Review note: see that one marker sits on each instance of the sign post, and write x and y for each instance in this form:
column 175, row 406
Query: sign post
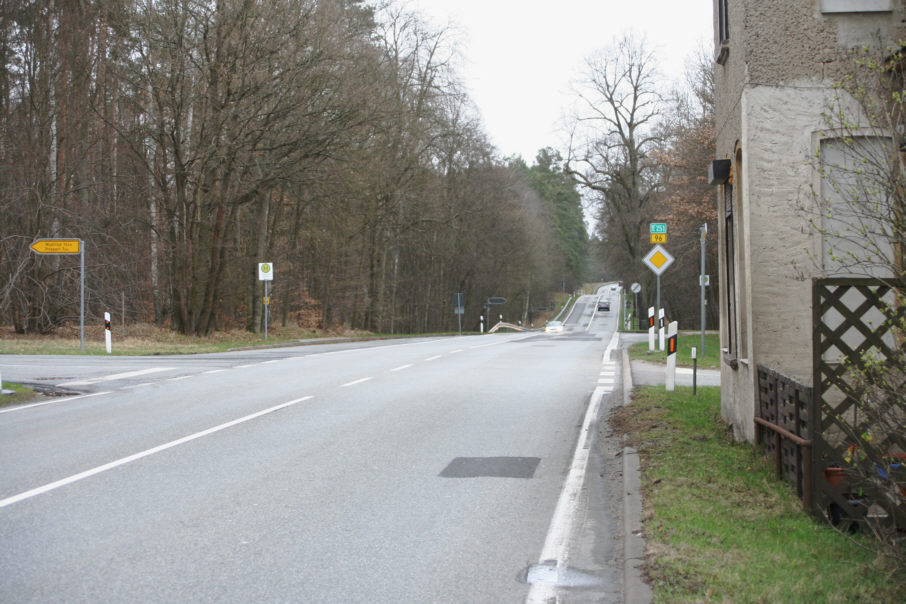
column 650, row 329
column 459, row 307
column 694, row 371
column 658, row 260
column 266, row 274
column 71, row 247
column 636, row 288
column 493, row 301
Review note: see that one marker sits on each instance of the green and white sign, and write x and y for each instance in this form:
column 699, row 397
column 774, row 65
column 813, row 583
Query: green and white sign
column 659, row 227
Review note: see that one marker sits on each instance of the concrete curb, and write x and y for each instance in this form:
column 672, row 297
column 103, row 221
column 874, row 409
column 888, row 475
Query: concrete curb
column 635, row 589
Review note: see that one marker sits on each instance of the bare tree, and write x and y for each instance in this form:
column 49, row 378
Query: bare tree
column 687, row 202
column 613, row 136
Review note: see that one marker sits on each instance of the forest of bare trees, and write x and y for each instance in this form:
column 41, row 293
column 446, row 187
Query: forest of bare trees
column 185, row 141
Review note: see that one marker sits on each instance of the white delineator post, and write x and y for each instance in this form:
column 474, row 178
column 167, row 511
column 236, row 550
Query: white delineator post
column 660, row 327
column 650, row 329
column 670, row 378
column 107, row 337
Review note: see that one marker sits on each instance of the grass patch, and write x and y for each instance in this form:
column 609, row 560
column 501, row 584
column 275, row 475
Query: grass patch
column 685, row 341
column 21, row 394
column 143, row 339
column 720, row 528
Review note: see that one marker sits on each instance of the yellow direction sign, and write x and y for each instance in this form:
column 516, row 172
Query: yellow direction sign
column 57, row 246
column 658, row 259
column 658, row 237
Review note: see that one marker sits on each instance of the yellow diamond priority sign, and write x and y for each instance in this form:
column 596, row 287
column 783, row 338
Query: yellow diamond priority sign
column 658, row 259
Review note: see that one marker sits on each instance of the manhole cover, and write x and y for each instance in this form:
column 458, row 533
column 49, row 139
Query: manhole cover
column 550, row 573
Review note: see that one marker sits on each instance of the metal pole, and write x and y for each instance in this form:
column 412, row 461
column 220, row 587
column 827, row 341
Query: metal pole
column 266, row 308
column 82, row 298
column 704, row 232
column 658, row 295
column 636, row 308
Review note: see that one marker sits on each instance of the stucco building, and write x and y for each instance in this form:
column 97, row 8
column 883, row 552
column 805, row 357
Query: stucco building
column 776, row 65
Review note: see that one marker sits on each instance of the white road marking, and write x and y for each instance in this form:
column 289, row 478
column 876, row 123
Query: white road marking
column 434, row 358
column 556, row 544
column 214, row 371
column 181, row 377
column 116, row 376
column 146, row 453
column 401, row 367
column 457, row 351
column 354, row 382
column 53, row 402
column 486, row 345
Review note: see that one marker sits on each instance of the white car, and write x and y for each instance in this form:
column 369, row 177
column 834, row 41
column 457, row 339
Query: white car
column 553, row 327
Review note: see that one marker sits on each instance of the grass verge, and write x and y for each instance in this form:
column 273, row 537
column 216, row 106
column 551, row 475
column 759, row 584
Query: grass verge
column 143, row 339
column 21, row 394
column 720, row 528
column 685, row 341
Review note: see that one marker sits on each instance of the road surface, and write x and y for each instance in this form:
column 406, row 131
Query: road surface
column 425, row 470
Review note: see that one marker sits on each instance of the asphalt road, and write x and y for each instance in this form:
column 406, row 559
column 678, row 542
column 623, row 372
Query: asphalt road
column 424, row 470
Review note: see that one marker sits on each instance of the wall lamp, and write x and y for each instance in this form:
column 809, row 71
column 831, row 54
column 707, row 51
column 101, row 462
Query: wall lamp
column 719, row 172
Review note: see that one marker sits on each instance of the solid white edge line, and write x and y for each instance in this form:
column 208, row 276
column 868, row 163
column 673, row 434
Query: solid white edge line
column 556, row 544
column 54, row 402
column 146, row 453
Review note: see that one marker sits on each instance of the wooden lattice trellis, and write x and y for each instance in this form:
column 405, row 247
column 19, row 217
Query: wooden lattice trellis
column 784, row 403
column 853, row 320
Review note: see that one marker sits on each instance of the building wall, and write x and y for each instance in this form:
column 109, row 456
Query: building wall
column 784, row 56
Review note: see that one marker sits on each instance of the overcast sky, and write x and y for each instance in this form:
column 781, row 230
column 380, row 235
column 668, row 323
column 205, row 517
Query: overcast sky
column 521, row 55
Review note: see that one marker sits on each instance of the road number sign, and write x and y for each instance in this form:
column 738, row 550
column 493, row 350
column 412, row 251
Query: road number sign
column 658, row 237
column 57, row 246
column 659, row 227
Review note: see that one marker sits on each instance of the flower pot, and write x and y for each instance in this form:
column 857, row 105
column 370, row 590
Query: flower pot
column 834, row 476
